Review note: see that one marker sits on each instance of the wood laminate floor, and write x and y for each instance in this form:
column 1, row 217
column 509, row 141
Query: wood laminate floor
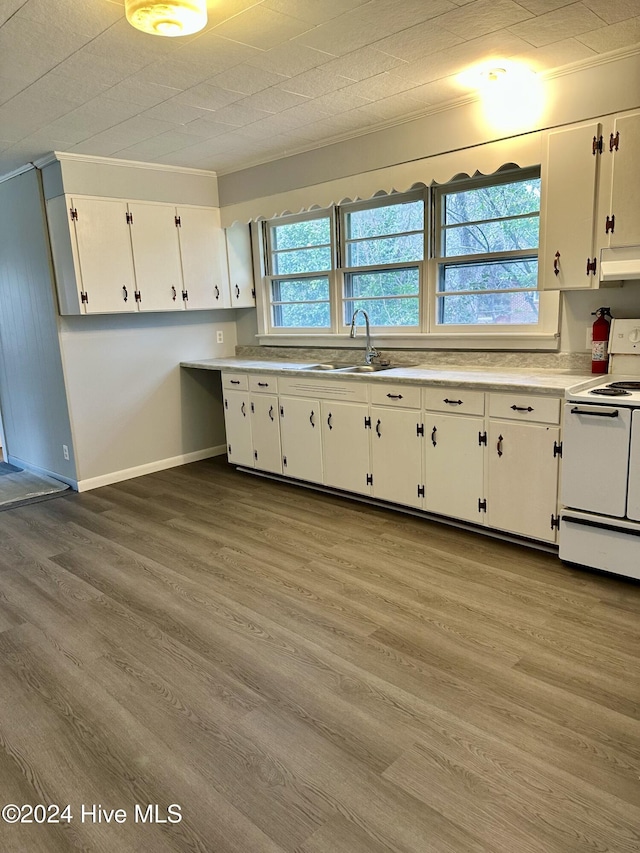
column 305, row 674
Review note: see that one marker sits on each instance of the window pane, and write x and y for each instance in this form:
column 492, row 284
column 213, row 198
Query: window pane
column 302, row 315
column 294, row 235
column 505, row 236
column 489, row 308
column 495, row 275
column 385, row 250
column 300, row 290
column 390, row 219
column 301, row 260
column 385, row 312
column 492, row 202
column 383, row 283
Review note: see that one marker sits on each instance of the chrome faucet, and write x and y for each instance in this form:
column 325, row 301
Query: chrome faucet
column 370, row 352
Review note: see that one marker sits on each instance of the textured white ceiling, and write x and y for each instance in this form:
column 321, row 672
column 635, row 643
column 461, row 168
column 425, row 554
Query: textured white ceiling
column 267, row 77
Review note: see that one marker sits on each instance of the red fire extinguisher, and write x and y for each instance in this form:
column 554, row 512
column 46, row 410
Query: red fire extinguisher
column 600, row 341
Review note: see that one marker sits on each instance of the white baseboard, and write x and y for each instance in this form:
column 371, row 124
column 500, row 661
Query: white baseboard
column 149, row 468
column 45, row 472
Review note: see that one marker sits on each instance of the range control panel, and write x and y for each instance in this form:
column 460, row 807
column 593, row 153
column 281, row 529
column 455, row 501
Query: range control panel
column 624, row 337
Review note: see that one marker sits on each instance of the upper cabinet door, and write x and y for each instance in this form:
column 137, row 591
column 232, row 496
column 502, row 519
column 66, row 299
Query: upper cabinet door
column 241, row 282
column 204, row 261
column 156, row 256
column 104, row 262
column 623, row 218
column 568, row 209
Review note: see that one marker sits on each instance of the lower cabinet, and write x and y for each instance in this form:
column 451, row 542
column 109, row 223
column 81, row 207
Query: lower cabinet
column 301, row 438
column 405, row 445
column 454, row 466
column 345, row 441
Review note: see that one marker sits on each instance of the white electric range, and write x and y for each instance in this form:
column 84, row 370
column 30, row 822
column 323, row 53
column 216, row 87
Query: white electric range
column 600, row 519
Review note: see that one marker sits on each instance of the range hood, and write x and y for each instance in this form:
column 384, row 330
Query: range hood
column 620, row 264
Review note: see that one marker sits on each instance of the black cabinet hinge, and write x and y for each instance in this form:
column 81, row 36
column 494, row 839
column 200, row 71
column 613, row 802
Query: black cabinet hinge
column 226, row 403
column 557, row 449
column 420, row 430
column 614, row 141
column 281, row 411
column 591, row 266
column 137, row 295
column 178, row 222
column 73, row 213
column 596, row 145
column 555, row 522
column 420, row 491
column 255, row 455
column 367, row 423
column 284, row 461
column 610, row 224
column 253, row 293
column 369, row 479
column 185, row 295
column 84, row 297
column 482, row 439
column 482, row 505
column 229, row 449
column 253, row 408
column 129, row 218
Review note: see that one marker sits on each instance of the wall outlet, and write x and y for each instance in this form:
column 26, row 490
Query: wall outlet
column 65, row 452
column 220, row 338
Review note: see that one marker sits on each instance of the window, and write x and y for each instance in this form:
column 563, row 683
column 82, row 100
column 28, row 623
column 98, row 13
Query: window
column 486, row 249
column 480, row 277
column 300, row 261
column 383, row 252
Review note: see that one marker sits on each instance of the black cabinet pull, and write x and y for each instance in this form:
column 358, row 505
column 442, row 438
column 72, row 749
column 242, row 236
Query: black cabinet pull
column 499, row 445
column 125, row 293
column 378, row 433
column 522, row 408
column 271, row 412
column 237, row 292
column 329, row 421
column 217, row 290
column 174, row 293
column 433, row 436
column 452, row 402
column 243, row 409
column 234, row 381
column 263, row 384
column 394, row 396
column 311, row 421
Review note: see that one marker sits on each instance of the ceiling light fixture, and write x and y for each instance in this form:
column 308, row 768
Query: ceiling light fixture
column 170, row 18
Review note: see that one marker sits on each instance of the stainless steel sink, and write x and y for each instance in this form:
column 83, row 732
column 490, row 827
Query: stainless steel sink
column 340, row 366
column 365, row 368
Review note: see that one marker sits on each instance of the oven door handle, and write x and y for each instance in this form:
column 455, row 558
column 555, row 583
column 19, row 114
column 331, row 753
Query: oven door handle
column 594, row 413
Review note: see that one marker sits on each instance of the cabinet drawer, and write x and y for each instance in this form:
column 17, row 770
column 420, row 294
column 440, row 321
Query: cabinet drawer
column 263, row 384
column 525, row 407
column 459, row 400
column 389, row 394
column 235, row 381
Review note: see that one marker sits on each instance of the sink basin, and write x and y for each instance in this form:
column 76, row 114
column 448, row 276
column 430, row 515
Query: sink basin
column 341, row 366
column 365, row 368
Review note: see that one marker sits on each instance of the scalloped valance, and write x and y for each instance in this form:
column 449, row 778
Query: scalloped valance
column 523, row 151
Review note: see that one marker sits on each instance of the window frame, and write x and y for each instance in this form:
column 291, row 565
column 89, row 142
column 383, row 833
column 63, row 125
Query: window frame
column 386, row 200
column 547, row 307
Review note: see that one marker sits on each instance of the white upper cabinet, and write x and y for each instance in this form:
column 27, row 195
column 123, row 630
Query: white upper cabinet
column 204, row 257
column 568, row 208
column 241, row 284
column 111, row 256
column 621, row 223
column 92, row 256
column 156, row 256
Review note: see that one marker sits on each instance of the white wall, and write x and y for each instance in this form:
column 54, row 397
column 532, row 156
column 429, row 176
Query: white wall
column 32, row 389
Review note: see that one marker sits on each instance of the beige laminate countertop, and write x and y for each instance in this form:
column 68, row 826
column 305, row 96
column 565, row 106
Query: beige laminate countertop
column 532, row 380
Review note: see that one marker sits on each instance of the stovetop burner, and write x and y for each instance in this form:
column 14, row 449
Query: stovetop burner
column 627, row 385
column 612, row 391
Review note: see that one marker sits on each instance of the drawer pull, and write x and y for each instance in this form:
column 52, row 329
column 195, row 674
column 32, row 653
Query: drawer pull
column 394, row 396
column 263, row 384
column 452, row 402
column 499, row 445
column 378, row 433
column 433, row 436
column 521, row 408
column 234, row 381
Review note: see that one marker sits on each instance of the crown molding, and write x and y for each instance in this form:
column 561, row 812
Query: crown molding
column 61, row 156
column 19, row 171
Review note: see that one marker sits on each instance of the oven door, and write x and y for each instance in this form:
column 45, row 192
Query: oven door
column 633, row 498
column 595, row 458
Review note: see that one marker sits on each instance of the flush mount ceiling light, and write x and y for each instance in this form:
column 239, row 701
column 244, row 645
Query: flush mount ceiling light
column 511, row 94
column 170, row 18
